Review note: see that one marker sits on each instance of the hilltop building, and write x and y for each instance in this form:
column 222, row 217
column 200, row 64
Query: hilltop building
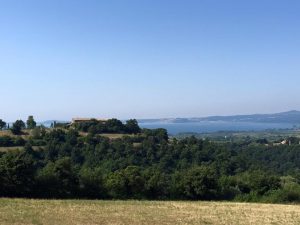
column 82, row 120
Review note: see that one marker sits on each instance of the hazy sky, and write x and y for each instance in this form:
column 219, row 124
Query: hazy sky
column 148, row 58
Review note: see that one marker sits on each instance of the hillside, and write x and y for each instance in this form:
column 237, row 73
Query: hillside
column 115, row 160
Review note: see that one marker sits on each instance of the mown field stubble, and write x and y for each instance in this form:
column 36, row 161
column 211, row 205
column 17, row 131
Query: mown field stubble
column 23, row 211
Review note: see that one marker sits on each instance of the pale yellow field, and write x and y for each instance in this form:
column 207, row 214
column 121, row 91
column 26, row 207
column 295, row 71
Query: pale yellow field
column 115, row 136
column 5, row 149
column 20, row 211
column 110, row 136
column 25, row 134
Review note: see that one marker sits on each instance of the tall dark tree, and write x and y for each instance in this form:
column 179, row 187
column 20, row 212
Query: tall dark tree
column 132, row 126
column 17, row 127
column 2, row 124
column 126, row 183
column 115, row 126
column 31, row 124
column 16, row 174
column 58, row 179
column 200, row 183
column 91, row 183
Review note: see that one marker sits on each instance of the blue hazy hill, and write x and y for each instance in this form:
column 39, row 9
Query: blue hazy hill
column 283, row 117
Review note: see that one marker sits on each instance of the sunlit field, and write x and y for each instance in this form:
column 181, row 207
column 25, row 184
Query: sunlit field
column 20, row 211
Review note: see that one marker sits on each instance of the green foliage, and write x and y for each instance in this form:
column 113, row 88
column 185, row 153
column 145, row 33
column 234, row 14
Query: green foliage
column 200, row 182
column 2, row 124
column 257, row 182
column 147, row 165
column 8, row 141
column 132, row 126
column 157, row 135
column 31, row 124
column 92, row 183
column 287, row 194
column 38, row 132
column 110, row 126
column 58, row 179
column 17, row 174
column 126, row 183
column 17, row 127
column 157, row 184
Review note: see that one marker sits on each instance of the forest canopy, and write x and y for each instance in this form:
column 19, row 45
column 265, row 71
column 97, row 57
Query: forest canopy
column 78, row 162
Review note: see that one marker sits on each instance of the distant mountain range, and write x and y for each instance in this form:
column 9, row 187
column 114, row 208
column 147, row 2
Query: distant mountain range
column 48, row 123
column 292, row 117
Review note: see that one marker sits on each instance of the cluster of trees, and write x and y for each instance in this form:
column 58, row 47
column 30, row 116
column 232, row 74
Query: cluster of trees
column 2, row 124
column 149, row 165
column 109, row 126
column 8, row 141
column 19, row 125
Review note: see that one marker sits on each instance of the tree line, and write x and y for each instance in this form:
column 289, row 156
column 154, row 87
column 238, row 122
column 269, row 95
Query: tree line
column 61, row 163
column 18, row 125
column 109, row 126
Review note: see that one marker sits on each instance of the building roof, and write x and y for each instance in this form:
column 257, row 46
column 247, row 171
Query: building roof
column 74, row 120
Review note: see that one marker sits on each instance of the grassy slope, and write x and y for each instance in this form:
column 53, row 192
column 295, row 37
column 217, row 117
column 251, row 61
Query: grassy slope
column 20, row 211
column 26, row 135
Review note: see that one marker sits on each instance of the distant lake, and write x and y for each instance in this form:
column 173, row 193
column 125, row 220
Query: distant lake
column 214, row 126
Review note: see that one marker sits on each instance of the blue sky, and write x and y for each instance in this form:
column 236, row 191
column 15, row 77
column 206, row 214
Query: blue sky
column 148, row 58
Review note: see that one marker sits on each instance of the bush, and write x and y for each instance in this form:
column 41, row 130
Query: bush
column 200, row 183
column 290, row 192
column 7, row 141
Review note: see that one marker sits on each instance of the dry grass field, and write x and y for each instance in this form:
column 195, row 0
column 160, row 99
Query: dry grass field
column 25, row 135
column 115, row 136
column 5, row 149
column 72, row 212
column 110, row 136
